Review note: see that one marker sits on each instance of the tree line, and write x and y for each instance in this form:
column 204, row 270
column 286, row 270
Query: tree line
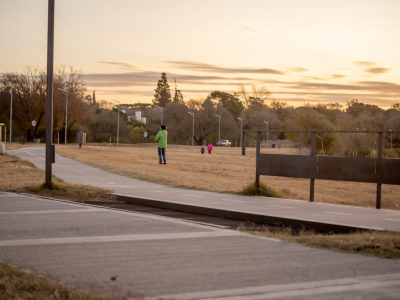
column 255, row 106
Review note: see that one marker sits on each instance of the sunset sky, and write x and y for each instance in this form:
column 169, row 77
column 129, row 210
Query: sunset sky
column 303, row 51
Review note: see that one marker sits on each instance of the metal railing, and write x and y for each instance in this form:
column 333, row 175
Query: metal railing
column 356, row 169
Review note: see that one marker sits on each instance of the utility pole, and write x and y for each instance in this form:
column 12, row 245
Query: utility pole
column 118, row 122
column 193, row 127
column 66, row 111
column 49, row 99
column 241, row 130
column 267, row 132
column 219, row 127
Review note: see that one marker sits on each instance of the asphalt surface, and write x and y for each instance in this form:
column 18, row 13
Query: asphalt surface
column 75, row 172
column 122, row 253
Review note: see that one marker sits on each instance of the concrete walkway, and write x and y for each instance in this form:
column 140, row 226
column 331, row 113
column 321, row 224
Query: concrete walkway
column 227, row 205
column 127, row 254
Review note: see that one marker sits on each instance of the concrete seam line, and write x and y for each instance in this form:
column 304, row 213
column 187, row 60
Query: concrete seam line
column 119, row 238
column 129, row 212
column 293, row 289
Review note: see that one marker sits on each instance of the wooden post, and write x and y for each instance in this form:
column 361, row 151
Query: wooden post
column 313, row 152
column 243, row 140
column 258, row 151
column 378, row 162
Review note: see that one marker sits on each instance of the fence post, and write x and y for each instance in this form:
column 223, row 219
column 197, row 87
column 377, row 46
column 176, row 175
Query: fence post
column 378, row 162
column 243, row 140
column 258, row 151
column 313, row 152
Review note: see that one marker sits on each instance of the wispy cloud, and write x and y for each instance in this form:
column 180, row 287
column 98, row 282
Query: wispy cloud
column 377, row 71
column 299, row 69
column 338, row 76
column 204, row 67
column 365, row 63
column 149, row 78
column 120, row 65
column 370, row 86
column 248, row 29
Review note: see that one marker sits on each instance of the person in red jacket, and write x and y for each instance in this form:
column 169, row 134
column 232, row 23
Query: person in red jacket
column 210, row 148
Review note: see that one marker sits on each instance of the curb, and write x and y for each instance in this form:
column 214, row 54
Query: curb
column 243, row 216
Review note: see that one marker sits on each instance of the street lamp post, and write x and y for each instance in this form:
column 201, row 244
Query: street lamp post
column 322, row 141
column 10, row 105
column 241, row 130
column 193, row 127
column 118, row 121
column 162, row 114
column 267, row 132
column 66, row 118
column 391, row 139
column 219, row 127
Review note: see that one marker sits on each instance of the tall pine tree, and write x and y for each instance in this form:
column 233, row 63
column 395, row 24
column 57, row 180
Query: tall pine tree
column 162, row 97
column 178, row 98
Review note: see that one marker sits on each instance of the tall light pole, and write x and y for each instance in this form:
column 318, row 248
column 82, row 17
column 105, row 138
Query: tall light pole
column 162, row 113
column 118, row 121
column 322, row 141
column 391, row 139
column 193, row 127
column 241, row 130
column 267, row 132
column 66, row 118
column 11, row 105
column 50, row 149
column 219, row 127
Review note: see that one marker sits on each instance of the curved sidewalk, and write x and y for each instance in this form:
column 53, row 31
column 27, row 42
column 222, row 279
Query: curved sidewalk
column 288, row 212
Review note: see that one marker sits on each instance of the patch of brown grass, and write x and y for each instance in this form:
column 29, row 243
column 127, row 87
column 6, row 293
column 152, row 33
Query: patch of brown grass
column 19, row 284
column 225, row 170
column 380, row 244
column 20, row 176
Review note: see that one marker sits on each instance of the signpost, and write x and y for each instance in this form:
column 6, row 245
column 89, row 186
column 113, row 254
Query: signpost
column 145, row 136
column 33, row 135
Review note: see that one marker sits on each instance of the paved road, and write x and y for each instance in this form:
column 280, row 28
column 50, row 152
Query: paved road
column 75, row 172
column 151, row 256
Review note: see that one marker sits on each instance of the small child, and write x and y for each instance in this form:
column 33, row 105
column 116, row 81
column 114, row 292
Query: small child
column 210, row 148
column 202, row 149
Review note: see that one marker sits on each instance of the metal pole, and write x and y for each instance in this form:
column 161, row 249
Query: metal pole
column 66, row 119
column 118, row 127
column 267, row 134
column 313, row 152
column 11, row 112
column 258, row 152
column 244, row 143
column 219, row 129
column 241, row 129
column 193, row 132
column 49, row 98
column 378, row 162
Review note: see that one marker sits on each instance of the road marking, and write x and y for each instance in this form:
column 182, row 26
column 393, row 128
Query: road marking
column 33, row 212
column 232, row 200
column 34, row 155
column 121, row 238
column 284, row 291
column 281, row 206
column 389, row 219
column 336, row 213
column 193, row 195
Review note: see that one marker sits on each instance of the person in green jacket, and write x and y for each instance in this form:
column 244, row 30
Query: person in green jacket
column 161, row 139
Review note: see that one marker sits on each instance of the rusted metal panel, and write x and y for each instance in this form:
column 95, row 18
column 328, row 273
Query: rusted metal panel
column 356, row 169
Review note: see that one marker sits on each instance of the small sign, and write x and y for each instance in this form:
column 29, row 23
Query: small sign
column 33, row 123
column 145, row 134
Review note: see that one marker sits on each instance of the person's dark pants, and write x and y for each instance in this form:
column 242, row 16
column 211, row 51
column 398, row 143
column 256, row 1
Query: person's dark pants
column 161, row 154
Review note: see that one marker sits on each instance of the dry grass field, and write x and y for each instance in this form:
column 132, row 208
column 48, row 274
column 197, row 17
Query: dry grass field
column 20, row 176
column 225, row 170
